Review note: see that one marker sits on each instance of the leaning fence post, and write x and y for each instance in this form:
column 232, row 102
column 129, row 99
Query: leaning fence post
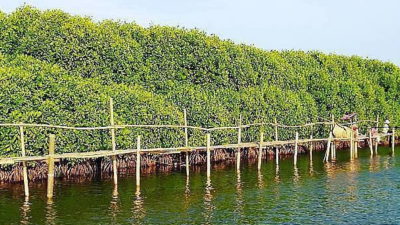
column 50, row 162
column 113, row 144
column 25, row 169
column 260, row 150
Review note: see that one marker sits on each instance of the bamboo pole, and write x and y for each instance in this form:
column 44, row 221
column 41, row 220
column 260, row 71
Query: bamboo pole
column 239, row 142
column 186, row 143
column 311, row 147
column 276, row 147
column 333, row 147
column 113, row 144
column 351, row 144
column 208, row 156
column 377, row 123
column 393, row 138
column 328, row 148
column 370, row 143
column 25, row 169
column 260, row 150
column 296, row 148
column 138, row 162
column 50, row 161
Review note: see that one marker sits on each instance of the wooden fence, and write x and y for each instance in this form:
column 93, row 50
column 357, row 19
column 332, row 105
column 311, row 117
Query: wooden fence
column 114, row 152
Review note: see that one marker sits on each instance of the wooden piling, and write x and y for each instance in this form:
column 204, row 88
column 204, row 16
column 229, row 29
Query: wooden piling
column 138, row 162
column 50, row 163
column 296, row 148
column 260, row 150
column 239, row 142
column 186, row 143
column 328, row 148
column 351, row 144
column 208, row 156
column 113, row 144
column 311, row 147
column 276, row 147
column 393, row 138
column 25, row 169
column 370, row 143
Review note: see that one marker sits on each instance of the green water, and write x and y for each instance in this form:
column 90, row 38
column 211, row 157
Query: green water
column 360, row 192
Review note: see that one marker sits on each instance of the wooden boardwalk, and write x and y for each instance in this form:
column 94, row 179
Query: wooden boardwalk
column 52, row 157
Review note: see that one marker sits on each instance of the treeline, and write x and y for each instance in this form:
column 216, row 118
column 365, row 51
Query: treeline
column 62, row 69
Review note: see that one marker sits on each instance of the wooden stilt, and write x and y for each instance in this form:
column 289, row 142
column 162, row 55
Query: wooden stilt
column 113, row 144
column 376, row 144
column 328, row 148
column 296, row 148
column 208, row 156
column 351, row 144
column 356, row 149
column 138, row 164
column 50, row 162
column 25, row 169
column 260, row 150
column 276, row 147
column 311, row 147
column 393, row 139
column 370, row 143
column 239, row 142
column 186, row 143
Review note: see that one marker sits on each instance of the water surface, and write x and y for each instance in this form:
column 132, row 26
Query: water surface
column 366, row 190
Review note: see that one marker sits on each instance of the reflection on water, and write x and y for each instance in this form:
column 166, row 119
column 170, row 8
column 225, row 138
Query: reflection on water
column 50, row 212
column 260, row 180
column 296, row 176
column 239, row 197
column 25, row 209
column 277, row 174
column 350, row 192
column 311, row 169
column 208, row 204
column 114, row 204
column 139, row 213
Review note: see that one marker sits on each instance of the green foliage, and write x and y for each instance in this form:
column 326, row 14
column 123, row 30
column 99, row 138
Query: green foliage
column 75, row 65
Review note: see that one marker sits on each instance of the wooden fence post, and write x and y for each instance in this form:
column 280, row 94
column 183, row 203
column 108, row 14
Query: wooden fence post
column 393, row 138
column 239, row 142
column 276, row 147
column 260, row 150
column 50, row 163
column 295, row 148
column 328, row 148
column 311, row 142
column 351, row 144
column 113, row 144
column 186, row 143
column 208, row 156
column 25, row 169
column 370, row 143
column 138, row 162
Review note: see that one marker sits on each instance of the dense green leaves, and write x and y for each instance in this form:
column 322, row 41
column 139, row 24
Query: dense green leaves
column 61, row 69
